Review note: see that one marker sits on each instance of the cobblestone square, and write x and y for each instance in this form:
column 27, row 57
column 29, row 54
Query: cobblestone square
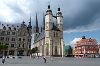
column 27, row 61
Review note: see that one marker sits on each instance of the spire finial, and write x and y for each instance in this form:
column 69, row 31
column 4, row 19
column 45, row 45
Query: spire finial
column 49, row 6
column 30, row 23
column 23, row 22
column 58, row 7
column 37, row 29
column 43, row 21
column 30, row 18
column 36, row 21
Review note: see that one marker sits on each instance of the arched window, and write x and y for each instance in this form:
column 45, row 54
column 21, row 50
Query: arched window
column 56, row 50
column 54, row 34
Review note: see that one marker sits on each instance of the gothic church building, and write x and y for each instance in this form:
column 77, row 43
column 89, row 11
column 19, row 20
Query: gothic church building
column 49, row 38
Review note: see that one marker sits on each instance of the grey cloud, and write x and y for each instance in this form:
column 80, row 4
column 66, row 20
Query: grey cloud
column 77, row 13
column 15, row 8
column 85, row 17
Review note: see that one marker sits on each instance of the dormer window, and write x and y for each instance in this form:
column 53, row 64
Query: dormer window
column 9, row 28
column 14, row 28
column 4, row 28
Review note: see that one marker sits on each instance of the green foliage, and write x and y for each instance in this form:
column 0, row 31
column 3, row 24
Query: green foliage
column 34, row 50
column 3, row 46
column 68, row 50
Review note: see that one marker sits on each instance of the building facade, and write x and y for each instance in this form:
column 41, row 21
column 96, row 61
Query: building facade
column 86, row 48
column 99, row 49
column 17, row 38
column 49, row 38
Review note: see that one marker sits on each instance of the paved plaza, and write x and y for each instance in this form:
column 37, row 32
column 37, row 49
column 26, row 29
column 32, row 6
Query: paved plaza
column 27, row 61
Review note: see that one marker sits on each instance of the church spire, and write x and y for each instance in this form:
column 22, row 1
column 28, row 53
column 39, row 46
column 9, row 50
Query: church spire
column 59, row 9
column 49, row 6
column 36, row 21
column 49, row 10
column 37, row 28
column 30, row 23
column 43, row 21
column 30, row 19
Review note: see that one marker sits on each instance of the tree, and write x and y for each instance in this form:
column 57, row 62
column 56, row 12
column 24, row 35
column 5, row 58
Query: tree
column 3, row 47
column 68, row 50
column 35, row 50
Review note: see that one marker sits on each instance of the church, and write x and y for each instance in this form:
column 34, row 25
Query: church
column 49, row 38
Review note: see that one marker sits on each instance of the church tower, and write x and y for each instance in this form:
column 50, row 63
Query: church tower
column 48, row 27
column 59, row 25
column 29, row 27
column 50, row 39
column 59, row 20
column 36, row 29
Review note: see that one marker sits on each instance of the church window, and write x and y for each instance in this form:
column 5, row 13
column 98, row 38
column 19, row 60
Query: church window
column 54, row 34
column 56, row 50
column 41, row 29
column 29, row 46
column 36, row 34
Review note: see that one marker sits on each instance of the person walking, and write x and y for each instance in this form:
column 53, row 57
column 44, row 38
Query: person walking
column 44, row 59
column 3, row 60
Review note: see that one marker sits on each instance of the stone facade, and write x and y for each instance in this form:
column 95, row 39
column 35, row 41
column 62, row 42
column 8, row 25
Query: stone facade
column 49, row 37
column 17, row 38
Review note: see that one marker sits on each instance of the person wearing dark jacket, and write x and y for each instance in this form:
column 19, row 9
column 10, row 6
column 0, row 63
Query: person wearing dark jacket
column 44, row 59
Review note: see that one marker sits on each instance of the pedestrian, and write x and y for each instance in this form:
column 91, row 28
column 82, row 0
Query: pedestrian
column 44, row 59
column 3, row 60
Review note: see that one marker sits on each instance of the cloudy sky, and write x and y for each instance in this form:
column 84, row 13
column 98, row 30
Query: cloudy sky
column 81, row 17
